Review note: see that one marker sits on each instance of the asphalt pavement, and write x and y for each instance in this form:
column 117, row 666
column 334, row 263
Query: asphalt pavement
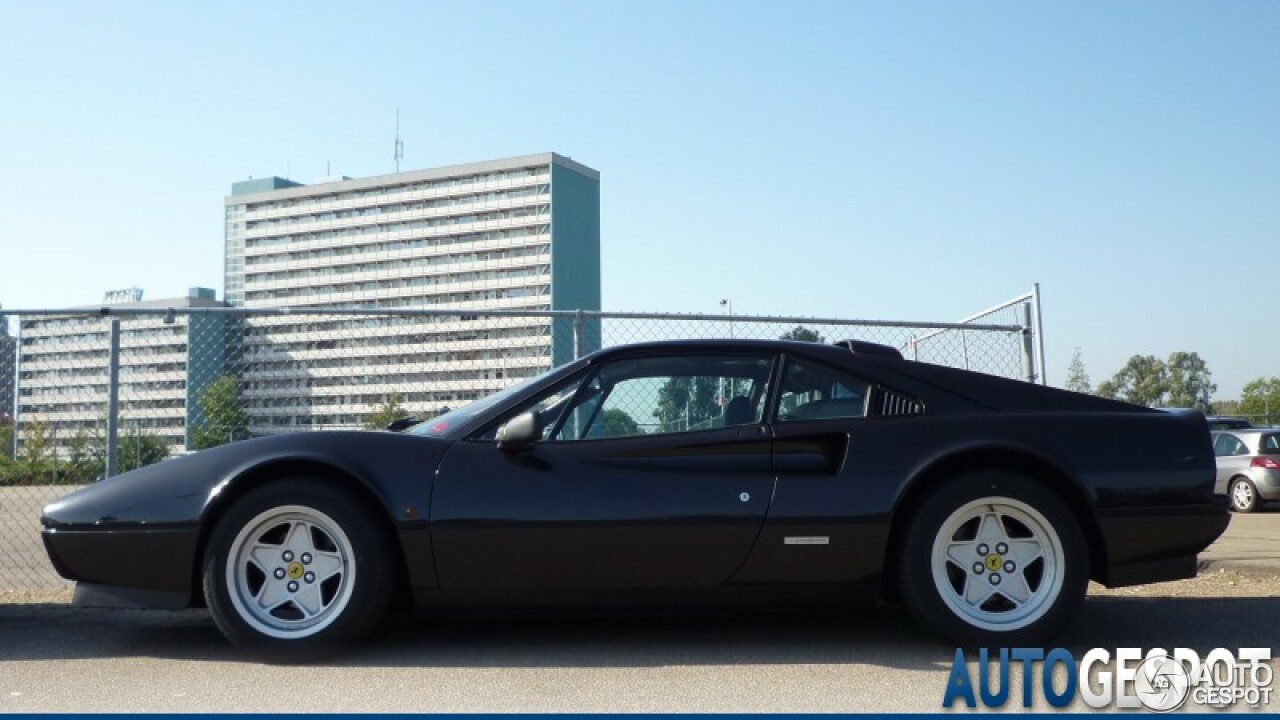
column 55, row 658
column 1250, row 544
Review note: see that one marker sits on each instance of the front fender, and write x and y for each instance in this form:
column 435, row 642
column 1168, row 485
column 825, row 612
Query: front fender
column 396, row 469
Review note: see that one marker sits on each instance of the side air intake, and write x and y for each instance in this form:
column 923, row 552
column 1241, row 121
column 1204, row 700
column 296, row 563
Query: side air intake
column 890, row 404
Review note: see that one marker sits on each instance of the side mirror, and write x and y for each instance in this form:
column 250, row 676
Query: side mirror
column 520, row 432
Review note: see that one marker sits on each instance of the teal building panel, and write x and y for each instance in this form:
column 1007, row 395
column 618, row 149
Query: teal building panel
column 260, row 185
column 575, row 259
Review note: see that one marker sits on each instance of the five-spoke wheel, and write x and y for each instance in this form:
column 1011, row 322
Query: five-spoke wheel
column 298, row 566
column 993, row 557
column 997, row 562
column 291, row 572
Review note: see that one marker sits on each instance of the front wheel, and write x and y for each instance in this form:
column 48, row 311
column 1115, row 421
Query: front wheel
column 994, row 558
column 297, row 568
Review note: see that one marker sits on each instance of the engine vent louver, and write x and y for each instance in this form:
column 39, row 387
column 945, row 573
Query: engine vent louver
column 890, row 404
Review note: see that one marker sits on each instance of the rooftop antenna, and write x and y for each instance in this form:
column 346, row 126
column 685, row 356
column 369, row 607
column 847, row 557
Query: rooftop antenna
column 399, row 155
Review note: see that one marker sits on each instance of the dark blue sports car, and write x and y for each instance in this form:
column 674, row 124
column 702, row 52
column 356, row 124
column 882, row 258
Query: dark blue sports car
column 709, row 472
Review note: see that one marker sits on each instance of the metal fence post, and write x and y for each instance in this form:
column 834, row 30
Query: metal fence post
column 113, row 395
column 1038, row 329
column 579, row 330
column 17, row 396
column 1028, row 343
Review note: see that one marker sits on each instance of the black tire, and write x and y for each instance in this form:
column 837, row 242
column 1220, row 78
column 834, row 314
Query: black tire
column 1031, row 517
column 1244, row 495
column 333, row 578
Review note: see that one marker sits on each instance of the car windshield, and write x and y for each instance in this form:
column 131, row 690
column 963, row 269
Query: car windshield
column 443, row 423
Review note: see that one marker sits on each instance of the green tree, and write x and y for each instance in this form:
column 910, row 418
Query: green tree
column 137, row 449
column 1077, row 378
column 1142, row 381
column 1182, row 381
column 7, row 469
column 6, row 439
column 617, row 423
column 1261, row 397
column 1190, row 384
column 34, row 463
column 1226, row 407
column 802, row 334
column 385, row 413
column 688, row 402
column 673, row 403
column 86, row 457
column 224, row 420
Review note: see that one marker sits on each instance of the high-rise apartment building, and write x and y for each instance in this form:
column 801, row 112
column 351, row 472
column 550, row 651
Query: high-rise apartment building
column 165, row 363
column 516, row 234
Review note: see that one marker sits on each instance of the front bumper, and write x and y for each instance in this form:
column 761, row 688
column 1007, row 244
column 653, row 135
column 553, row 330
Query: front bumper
column 153, row 560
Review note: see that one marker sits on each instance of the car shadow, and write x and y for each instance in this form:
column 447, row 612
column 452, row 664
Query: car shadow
column 885, row 637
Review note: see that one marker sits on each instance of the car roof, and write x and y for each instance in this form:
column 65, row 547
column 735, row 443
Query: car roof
column 1248, row 430
column 858, row 347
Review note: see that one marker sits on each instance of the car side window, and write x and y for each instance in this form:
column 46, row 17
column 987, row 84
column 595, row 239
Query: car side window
column 669, row 394
column 1228, row 444
column 811, row 391
column 1271, row 445
column 1220, row 445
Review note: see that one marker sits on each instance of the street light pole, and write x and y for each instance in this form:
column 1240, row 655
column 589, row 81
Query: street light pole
column 726, row 302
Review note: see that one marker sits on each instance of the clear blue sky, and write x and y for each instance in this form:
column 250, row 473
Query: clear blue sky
column 888, row 160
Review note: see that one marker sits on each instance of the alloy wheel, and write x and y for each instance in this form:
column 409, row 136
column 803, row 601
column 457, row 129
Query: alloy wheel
column 290, row 572
column 998, row 564
column 1242, row 495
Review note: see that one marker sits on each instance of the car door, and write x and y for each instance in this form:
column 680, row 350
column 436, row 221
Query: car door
column 1232, row 457
column 819, row 528
column 654, row 474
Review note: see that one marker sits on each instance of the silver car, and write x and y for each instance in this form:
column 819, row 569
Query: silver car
column 1248, row 466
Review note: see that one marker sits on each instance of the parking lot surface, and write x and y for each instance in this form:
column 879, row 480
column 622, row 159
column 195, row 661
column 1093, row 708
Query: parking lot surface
column 55, row 658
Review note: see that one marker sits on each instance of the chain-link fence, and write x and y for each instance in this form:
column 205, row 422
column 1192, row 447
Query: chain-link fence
column 106, row 390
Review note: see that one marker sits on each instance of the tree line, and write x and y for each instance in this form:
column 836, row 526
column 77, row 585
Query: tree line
column 1183, row 380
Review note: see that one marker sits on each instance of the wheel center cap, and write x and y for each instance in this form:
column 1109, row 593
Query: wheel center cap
column 295, row 569
column 993, row 562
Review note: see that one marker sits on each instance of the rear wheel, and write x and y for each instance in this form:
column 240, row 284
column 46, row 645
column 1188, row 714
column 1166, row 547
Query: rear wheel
column 994, row 558
column 296, row 568
column 1244, row 496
